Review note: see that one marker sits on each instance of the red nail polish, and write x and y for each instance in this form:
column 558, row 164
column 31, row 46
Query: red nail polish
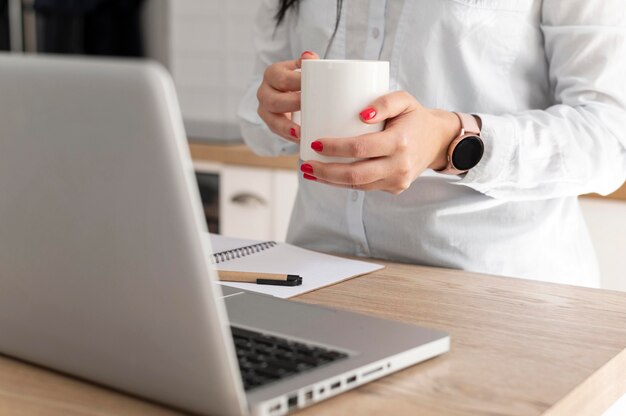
column 306, row 53
column 368, row 113
column 292, row 131
column 306, row 168
column 309, row 177
column 317, row 146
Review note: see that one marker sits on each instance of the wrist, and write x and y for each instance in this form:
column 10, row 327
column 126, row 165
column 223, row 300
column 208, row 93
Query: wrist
column 449, row 127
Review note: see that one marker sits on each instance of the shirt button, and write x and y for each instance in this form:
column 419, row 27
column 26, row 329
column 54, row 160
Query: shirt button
column 355, row 196
column 375, row 33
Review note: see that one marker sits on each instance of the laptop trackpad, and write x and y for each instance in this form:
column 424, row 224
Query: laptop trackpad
column 287, row 318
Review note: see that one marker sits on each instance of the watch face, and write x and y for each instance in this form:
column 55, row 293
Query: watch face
column 467, row 153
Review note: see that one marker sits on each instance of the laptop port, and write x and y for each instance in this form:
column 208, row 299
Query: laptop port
column 372, row 371
column 335, row 385
column 275, row 408
column 308, row 396
column 322, row 390
column 292, row 401
column 351, row 379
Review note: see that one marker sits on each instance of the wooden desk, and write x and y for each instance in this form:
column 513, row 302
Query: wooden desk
column 518, row 348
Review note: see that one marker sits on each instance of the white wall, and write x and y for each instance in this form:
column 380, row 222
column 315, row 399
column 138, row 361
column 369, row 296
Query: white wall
column 208, row 47
column 606, row 220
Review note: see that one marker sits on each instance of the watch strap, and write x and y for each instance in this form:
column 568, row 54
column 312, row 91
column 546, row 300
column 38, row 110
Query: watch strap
column 469, row 125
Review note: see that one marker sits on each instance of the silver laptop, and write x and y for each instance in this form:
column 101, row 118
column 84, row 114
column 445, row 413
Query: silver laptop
column 104, row 271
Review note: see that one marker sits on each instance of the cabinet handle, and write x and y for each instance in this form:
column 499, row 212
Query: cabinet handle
column 247, row 199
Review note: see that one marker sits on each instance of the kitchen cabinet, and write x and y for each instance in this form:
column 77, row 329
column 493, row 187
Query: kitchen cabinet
column 606, row 220
column 256, row 194
column 246, row 201
column 256, row 202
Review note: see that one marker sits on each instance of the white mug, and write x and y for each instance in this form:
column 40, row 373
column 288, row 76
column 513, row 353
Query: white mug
column 333, row 94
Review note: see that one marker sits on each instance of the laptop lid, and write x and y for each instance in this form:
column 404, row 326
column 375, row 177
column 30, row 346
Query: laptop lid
column 103, row 271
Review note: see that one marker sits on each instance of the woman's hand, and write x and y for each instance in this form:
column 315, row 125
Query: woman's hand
column 415, row 138
column 279, row 96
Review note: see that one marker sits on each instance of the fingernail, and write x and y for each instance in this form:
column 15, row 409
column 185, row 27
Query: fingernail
column 292, row 131
column 306, row 53
column 309, row 177
column 306, row 168
column 368, row 114
column 317, row 146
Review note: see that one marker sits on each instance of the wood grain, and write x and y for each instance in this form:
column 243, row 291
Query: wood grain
column 27, row 390
column 518, row 348
column 239, row 155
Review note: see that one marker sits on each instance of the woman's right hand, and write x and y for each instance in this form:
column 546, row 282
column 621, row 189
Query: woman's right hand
column 279, row 96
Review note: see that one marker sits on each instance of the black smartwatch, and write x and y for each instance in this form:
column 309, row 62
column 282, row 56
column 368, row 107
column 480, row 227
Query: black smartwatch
column 467, row 149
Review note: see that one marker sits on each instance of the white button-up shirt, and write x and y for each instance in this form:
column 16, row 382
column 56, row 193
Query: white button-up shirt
column 547, row 78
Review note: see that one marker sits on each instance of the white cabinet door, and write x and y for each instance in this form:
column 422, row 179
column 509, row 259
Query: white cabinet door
column 256, row 202
column 606, row 220
column 246, row 202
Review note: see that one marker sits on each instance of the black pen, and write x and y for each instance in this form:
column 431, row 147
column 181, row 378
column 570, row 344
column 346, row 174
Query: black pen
column 260, row 278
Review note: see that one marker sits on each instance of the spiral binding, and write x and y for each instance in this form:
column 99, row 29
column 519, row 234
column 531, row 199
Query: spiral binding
column 240, row 252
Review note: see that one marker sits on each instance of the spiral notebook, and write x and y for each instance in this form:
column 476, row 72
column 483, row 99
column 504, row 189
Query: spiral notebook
column 317, row 269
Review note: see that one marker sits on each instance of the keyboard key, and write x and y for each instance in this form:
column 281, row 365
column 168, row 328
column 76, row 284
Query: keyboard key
column 264, row 359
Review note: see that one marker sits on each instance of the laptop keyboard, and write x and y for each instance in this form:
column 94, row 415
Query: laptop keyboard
column 264, row 359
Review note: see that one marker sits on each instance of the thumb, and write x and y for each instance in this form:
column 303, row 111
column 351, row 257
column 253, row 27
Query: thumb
column 306, row 55
column 388, row 106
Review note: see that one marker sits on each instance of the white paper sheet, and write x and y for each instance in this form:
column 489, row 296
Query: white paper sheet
column 316, row 269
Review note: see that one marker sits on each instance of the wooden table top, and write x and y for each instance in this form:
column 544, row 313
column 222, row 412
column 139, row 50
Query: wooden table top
column 518, row 348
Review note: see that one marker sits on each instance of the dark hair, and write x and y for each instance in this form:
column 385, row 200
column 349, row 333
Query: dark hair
column 283, row 7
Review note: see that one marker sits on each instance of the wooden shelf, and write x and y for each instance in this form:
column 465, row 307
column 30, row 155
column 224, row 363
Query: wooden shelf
column 239, row 155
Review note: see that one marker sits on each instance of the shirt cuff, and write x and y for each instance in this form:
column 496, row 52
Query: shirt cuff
column 255, row 132
column 500, row 140
column 263, row 142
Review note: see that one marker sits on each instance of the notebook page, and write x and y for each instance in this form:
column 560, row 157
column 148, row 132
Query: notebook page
column 317, row 269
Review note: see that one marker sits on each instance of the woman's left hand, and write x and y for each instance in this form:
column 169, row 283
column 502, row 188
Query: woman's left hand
column 415, row 138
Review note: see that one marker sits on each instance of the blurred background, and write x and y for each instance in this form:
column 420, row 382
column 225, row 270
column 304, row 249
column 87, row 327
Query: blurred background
column 207, row 46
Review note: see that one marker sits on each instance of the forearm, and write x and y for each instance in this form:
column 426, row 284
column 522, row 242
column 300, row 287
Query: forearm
column 561, row 151
column 578, row 145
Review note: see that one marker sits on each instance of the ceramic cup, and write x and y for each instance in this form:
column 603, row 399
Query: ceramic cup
column 333, row 94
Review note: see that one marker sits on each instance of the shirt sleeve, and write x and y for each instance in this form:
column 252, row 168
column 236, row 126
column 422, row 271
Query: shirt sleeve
column 272, row 45
column 578, row 145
